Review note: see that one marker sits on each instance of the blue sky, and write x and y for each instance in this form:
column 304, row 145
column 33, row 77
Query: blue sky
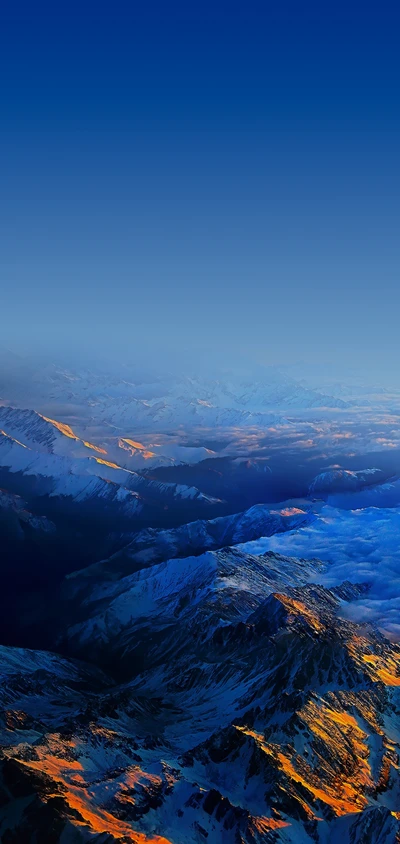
column 219, row 178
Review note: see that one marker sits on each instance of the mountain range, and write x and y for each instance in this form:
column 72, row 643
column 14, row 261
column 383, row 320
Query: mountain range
column 124, row 399
column 200, row 629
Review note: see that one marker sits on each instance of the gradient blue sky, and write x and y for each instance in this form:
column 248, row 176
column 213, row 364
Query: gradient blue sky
column 221, row 178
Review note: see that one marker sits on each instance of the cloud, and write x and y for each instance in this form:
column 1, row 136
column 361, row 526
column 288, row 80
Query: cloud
column 360, row 545
column 363, row 430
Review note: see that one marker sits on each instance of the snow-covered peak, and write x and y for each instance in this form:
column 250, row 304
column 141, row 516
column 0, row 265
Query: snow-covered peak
column 338, row 479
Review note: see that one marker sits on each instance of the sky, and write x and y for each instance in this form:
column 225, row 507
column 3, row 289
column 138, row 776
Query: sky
column 216, row 180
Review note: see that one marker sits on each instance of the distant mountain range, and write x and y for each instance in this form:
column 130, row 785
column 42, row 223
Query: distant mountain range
column 182, row 659
column 162, row 402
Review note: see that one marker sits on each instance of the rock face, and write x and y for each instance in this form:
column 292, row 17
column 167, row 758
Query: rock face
column 237, row 705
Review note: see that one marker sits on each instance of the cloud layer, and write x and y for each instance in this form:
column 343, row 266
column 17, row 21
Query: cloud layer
column 357, row 545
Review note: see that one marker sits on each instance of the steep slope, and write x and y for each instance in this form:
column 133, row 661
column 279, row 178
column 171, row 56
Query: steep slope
column 381, row 495
column 344, row 480
column 153, row 545
column 51, row 436
column 42, row 434
column 324, row 750
column 90, row 478
column 56, row 476
column 278, row 726
column 178, row 598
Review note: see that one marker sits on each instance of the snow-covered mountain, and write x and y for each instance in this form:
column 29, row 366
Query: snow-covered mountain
column 212, row 677
column 163, row 403
column 61, row 477
column 344, row 480
column 196, row 402
column 61, row 465
column 173, row 596
column 378, row 495
column 153, row 545
column 49, row 436
column 253, row 712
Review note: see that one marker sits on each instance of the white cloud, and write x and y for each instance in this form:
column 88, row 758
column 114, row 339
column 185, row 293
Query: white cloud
column 357, row 545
